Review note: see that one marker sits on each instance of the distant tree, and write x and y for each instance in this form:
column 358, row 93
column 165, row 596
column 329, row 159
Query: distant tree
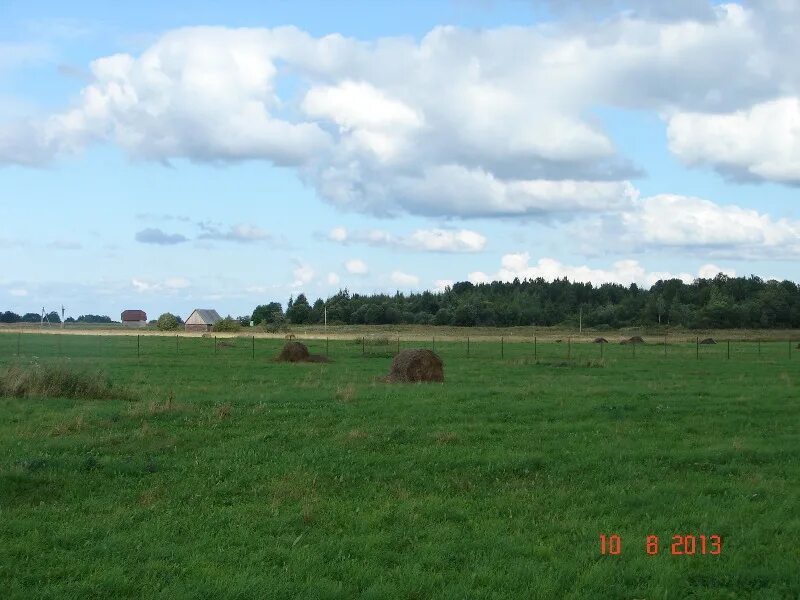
column 167, row 322
column 9, row 317
column 268, row 313
column 227, row 324
column 94, row 319
column 31, row 318
column 299, row 310
column 53, row 317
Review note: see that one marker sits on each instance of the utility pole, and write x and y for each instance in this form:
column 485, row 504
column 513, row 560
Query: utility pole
column 580, row 320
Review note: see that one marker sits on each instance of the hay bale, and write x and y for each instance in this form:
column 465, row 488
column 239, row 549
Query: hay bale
column 293, row 352
column 636, row 339
column 600, row 340
column 708, row 341
column 416, row 365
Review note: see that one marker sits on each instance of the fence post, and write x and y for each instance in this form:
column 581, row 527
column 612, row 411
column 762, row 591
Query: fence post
column 502, row 349
column 254, row 347
column 176, row 343
column 363, row 346
column 215, row 344
column 327, row 346
column 633, row 344
column 601, row 349
column 398, row 344
column 759, row 348
column 19, row 341
column 138, row 346
column 790, row 349
column 665, row 344
column 729, row 349
column 697, row 348
column 468, row 346
column 534, row 347
column 569, row 347
column 433, row 344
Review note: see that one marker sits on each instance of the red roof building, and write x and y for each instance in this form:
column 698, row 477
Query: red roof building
column 134, row 318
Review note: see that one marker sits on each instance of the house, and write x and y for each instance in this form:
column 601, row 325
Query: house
column 202, row 319
column 134, row 318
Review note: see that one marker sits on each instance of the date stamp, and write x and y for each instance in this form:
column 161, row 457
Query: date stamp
column 688, row 544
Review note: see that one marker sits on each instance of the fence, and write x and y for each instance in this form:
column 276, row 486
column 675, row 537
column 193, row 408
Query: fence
column 146, row 347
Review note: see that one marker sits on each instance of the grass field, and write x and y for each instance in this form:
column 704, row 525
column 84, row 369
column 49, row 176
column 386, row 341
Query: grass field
column 229, row 476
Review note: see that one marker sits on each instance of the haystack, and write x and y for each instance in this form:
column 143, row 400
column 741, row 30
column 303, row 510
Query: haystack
column 416, row 365
column 636, row 339
column 708, row 341
column 600, row 340
column 293, row 352
column 297, row 352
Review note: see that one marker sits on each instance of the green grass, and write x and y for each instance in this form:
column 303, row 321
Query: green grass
column 234, row 477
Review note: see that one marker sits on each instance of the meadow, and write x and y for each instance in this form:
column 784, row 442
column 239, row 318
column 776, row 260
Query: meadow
column 223, row 474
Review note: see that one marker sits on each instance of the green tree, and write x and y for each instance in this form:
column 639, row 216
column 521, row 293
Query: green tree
column 167, row 322
column 268, row 313
column 299, row 311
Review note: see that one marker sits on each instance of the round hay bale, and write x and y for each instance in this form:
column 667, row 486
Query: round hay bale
column 636, row 339
column 416, row 365
column 293, row 352
column 708, row 341
column 600, row 340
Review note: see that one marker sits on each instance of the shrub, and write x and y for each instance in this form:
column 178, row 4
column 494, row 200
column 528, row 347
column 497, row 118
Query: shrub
column 57, row 380
column 227, row 324
column 167, row 322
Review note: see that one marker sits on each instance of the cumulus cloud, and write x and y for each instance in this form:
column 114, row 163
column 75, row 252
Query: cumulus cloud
column 153, row 235
column 405, row 280
column 761, row 142
column 356, row 266
column 433, row 240
column 303, row 274
column 440, row 285
column 332, row 279
column 489, row 123
column 241, row 233
column 669, row 221
column 171, row 284
column 517, row 265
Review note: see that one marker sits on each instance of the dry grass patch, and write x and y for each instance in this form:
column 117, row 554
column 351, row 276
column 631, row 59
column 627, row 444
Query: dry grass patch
column 58, row 380
column 447, row 437
column 223, row 411
column 356, row 434
column 66, row 427
column 346, row 393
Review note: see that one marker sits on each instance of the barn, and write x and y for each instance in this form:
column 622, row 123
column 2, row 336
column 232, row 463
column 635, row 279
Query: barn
column 202, row 319
column 134, row 318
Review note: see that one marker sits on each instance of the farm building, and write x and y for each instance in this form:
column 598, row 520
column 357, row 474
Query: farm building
column 134, row 318
column 202, row 319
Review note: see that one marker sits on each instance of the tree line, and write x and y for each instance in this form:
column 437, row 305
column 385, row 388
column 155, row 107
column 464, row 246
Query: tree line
column 719, row 302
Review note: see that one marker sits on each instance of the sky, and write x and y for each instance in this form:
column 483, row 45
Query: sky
column 225, row 155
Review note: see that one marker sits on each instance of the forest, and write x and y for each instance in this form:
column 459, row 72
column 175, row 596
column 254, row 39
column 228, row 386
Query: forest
column 720, row 302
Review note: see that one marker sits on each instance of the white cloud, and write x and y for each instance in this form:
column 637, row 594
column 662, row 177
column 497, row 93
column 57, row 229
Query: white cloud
column 432, row 240
column 710, row 271
column 170, row 285
column 761, row 142
column 440, row 285
column 405, row 280
column 517, row 265
column 470, row 123
column 303, row 274
column 333, row 279
column 670, row 221
column 241, row 232
column 18, row 292
column 356, row 266
column 338, row 234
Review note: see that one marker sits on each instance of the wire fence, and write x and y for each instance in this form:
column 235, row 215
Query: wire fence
column 139, row 347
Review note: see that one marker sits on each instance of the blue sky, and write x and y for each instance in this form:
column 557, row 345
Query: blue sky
column 207, row 155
